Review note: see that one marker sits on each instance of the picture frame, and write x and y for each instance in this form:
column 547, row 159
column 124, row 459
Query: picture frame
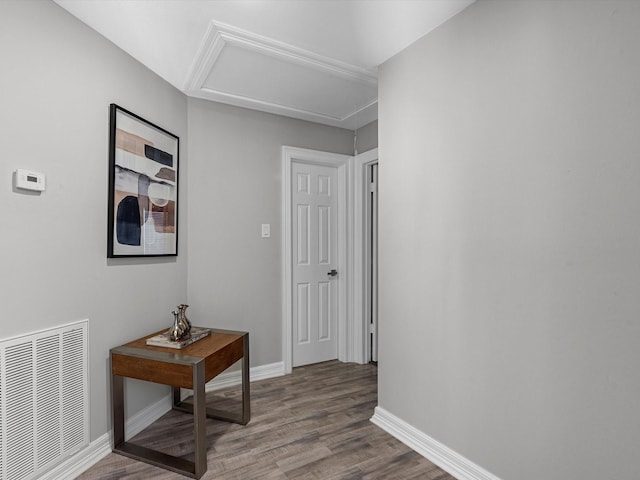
column 143, row 187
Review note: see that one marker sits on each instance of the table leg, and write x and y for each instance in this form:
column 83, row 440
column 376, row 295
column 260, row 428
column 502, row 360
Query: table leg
column 194, row 469
column 199, row 419
column 244, row 415
column 175, row 396
column 246, row 396
column 117, row 406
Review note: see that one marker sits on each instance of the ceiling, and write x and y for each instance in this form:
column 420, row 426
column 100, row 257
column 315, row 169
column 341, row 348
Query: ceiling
column 314, row 60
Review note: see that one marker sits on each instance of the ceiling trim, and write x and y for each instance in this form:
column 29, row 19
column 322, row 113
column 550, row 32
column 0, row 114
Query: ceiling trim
column 351, row 121
column 219, row 35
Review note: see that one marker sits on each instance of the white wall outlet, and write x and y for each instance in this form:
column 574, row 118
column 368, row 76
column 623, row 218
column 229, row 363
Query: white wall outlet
column 266, row 230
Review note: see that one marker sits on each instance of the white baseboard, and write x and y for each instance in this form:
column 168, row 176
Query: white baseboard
column 229, row 379
column 146, row 417
column 434, row 451
column 101, row 447
column 80, row 461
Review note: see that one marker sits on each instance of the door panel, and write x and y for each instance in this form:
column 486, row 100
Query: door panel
column 324, row 311
column 303, row 235
column 324, row 235
column 303, row 315
column 315, row 233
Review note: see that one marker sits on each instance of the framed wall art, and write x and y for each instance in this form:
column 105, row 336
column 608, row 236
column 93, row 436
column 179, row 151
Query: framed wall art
column 143, row 187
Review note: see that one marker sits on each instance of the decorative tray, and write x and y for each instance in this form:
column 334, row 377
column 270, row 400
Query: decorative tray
column 162, row 340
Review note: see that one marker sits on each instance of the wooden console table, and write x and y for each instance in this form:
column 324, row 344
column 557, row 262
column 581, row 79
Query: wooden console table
column 190, row 367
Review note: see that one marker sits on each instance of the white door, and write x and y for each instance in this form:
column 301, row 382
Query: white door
column 314, row 199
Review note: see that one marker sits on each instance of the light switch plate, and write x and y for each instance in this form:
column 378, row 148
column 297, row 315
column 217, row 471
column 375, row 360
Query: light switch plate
column 266, row 230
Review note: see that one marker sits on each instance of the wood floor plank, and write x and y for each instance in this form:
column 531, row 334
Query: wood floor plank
column 310, row 425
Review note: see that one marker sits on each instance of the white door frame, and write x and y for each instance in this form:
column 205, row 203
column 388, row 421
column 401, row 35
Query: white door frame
column 344, row 164
column 360, row 346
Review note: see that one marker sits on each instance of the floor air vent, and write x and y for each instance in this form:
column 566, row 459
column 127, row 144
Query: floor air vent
column 44, row 407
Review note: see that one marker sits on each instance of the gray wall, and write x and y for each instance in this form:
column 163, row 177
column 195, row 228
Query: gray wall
column 510, row 237
column 367, row 137
column 235, row 185
column 58, row 79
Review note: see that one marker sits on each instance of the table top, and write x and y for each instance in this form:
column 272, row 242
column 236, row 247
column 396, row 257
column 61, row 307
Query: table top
column 217, row 351
column 217, row 340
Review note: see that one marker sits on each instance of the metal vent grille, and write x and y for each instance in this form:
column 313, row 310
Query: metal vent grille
column 44, row 408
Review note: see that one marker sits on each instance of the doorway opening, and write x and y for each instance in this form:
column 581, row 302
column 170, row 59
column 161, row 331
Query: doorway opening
column 365, row 260
column 356, row 272
column 371, row 261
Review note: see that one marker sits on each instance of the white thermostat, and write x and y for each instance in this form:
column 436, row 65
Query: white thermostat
column 29, row 180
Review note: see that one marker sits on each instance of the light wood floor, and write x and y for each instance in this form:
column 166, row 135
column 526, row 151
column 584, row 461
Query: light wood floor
column 312, row 424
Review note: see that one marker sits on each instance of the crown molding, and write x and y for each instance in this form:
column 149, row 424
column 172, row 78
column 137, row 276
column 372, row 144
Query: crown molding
column 220, row 35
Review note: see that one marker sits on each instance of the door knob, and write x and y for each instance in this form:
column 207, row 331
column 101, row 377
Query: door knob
column 333, row 273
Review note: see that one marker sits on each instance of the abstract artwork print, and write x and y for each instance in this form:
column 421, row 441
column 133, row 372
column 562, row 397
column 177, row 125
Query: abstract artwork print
column 143, row 187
